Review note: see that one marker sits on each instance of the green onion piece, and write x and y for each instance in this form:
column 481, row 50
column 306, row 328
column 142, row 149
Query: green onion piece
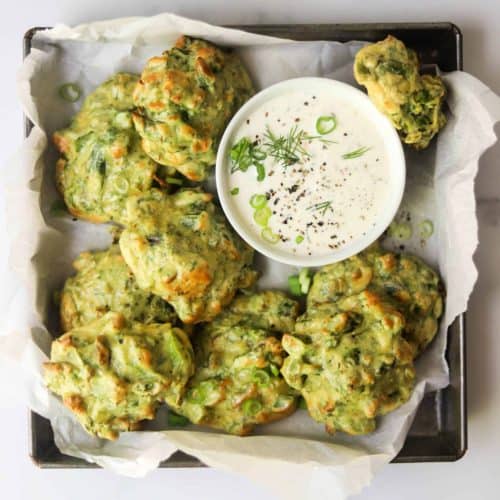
column 258, row 201
column 269, row 236
column 326, row 124
column 356, row 153
column 175, row 420
column 274, row 369
column 174, row 180
column 304, row 280
column 302, row 403
column 262, row 215
column 235, row 191
column 400, row 231
column 261, row 172
column 261, row 377
column 258, row 155
column 294, row 285
column 299, row 239
column 70, row 92
column 251, row 406
column 426, row 229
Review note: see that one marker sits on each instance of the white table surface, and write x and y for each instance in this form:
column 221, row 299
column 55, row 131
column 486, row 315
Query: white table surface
column 476, row 476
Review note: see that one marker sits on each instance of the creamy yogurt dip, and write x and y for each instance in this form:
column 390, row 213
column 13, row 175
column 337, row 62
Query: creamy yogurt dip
column 309, row 173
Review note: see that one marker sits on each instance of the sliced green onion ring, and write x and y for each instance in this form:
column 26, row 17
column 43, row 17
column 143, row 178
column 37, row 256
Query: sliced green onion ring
column 326, row 124
column 294, row 285
column 261, row 172
column 269, row 236
column 235, row 191
column 261, row 377
column 258, row 155
column 70, row 92
column 299, row 239
column 251, row 406
column 426, row 229
column 258, row 201
column 304, row 281
column 400, row 230
column 262, row 215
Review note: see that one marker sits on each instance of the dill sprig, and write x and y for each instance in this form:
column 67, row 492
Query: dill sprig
column 356, row 153
column 322, row 207
column 288, row 149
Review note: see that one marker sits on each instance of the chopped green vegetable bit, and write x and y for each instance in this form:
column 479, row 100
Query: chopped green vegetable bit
column 299, row 239
column 356, row 153
column 174, row 180
column 294, row 285
column 326, row 124
column 426, row 229
column 246, row 153
column 251, row 407
column 274, row 369
column 258, row 201
column 175, row 420
column 235, row 191
column 261, row 377
column 400, row 230
column 304, row 280
column 262, row 215
column 70, row 92
column 269, row 236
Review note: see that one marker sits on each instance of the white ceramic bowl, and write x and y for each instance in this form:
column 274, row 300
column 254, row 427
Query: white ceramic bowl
column 395, row 155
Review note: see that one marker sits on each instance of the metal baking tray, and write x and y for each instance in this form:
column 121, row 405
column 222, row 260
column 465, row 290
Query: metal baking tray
column 439, row 431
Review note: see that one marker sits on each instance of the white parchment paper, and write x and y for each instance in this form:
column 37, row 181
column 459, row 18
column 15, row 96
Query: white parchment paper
column 295, row 457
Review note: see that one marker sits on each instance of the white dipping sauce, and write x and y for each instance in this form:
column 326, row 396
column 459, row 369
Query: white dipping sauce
column 336, row 190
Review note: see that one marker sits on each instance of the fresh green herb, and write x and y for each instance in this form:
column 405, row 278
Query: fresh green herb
column 174, row 180
column 400, row 230
column 326, row 124
column 299, row 239
column 258, row 201
column 251, row 406
column 294, row 285
column 70, row 92
column 235, row 191
column 288, row 149
column 269, row 236
column 274, row 369
column 245, row 154
column 305, row 281
column 175, row 420
column 356, row 153
column 426, row 229
column 322, row 207
column 262, row 215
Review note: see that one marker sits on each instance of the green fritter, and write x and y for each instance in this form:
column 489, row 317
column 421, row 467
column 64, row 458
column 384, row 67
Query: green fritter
column 390, row 73
column 415, row 288
column 105, row 283
column 102, row 161
column 112, row 373
column 350, row 362
column 181, row 248
column 237, row 382
column 185, row 98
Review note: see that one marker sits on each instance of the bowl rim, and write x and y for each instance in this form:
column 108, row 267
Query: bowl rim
column 392, row 143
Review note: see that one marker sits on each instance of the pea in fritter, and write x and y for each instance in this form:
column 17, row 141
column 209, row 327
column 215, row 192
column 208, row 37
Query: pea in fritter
column 414, row 287
column 237, row 382
column 105, row 283
column 390, row 73
column 185, row 98
column 181, row 248
column 102, row 161
column 113, row 373
column 350, row 362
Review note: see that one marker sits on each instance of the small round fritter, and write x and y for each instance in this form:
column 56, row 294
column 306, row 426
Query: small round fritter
column 113, row 373
column 102, row 161
column 390, row 73
column 350, row 362
column 105, row 283
column 237, row 382
column 185, row 98
column 414, row 287
column 181, row 248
